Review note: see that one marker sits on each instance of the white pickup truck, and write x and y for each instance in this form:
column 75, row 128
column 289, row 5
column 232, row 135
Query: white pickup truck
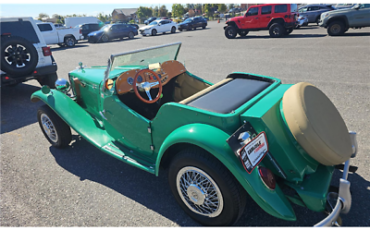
column 60, row 36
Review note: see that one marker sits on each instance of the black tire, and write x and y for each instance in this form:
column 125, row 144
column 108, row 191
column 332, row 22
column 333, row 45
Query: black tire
column 243, row 33
column 232, row 194
column 317, row 20
column 288, row 31
column 70, row 41
column 276, row 30
column 48, row 80
column 336, row 28
column 173, row 29
column 154, row 32
column 180, row 29
column 204, row 26
column 194, row 28
column 131, row 35
column 21, row 50
column 61, row 129
column 104, row 38
column 230, row 32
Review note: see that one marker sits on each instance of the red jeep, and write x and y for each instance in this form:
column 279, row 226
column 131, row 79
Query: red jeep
column 279, row 19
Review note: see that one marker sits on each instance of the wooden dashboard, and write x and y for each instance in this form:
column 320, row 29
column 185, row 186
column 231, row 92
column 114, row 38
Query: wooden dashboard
column 166, row 72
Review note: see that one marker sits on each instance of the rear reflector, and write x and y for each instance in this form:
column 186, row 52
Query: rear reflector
column 6, row 34
column 267, row 177
column 35, row 71
column 7, row 78
column 46, row 51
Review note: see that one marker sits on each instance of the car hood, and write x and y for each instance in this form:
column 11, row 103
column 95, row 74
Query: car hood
column 339, row 11
column 234, row 19
column 96, row 33
column 147, row 27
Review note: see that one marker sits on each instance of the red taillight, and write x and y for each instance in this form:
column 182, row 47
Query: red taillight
column 267, row 177
column 35, row 72
column 80, row 31
column 46, row 51
column 6, row 34
column 7, row 78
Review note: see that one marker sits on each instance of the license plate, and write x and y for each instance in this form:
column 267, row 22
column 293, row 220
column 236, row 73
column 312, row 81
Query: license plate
column 253, row 152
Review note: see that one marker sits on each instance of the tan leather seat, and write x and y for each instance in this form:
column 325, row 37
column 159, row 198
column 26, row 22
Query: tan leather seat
column 316, row 124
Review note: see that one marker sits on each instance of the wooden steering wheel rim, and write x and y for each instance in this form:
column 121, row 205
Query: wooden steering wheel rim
column 137, row 91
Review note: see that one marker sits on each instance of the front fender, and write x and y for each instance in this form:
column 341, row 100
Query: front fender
column 74, row 115
column 213, row 140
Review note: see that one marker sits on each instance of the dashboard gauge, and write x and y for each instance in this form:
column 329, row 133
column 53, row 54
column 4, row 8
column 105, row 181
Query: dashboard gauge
column 139, row 79
column 130, row 80
column 159, row 75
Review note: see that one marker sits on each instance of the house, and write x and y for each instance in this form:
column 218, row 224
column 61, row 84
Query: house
column 124, row 14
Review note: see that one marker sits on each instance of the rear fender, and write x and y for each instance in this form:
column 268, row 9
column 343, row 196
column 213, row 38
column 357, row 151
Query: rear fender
column 276, row 20
column 213, row 140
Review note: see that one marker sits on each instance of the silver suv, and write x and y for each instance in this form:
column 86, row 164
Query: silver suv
column 24, row 53
column 314, row 11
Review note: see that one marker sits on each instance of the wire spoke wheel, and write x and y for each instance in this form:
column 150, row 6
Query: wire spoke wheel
column 199, row 192
column 49, row 128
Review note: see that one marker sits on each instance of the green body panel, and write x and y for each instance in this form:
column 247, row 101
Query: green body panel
column 126, row 127
column 213, row 140
column 313, row 190
column 265, row 116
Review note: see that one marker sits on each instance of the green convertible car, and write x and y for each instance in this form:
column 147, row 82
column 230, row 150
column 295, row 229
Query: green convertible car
column 247, row 135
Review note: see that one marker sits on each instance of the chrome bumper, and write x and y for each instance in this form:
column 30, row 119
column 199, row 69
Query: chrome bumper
column 344, row 201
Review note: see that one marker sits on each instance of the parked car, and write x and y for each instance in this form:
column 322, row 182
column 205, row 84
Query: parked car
column 338, row 22
column 314, row 11
column 131, row 24
column 87, row 28
column 149, row 20
column 63, row 37
column 301, row 21
column 112, row 31
column 24, row 53
column 279, row 19
column 192, row 23
column 158, row 26
column 247, row 135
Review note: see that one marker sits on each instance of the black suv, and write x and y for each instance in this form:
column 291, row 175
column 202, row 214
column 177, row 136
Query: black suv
column 24, row 53
column 192, row 23
column 87, row 28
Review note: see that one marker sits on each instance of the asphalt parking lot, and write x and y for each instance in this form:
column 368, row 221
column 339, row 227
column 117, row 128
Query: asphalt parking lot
column 81, row 186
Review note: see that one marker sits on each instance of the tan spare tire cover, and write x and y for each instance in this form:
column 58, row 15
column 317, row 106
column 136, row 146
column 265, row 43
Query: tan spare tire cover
column 316, row 124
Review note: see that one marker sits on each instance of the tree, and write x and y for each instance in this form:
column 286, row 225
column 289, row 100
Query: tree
column 144, row 12
column 231, row 6
column 190, row 6
column 221, row 8
column 177, row 10
column 163, row 11
column 207, row 10
column 155, row 11
column 42, row 15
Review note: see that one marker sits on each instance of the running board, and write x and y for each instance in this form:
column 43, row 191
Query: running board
column 117, row 153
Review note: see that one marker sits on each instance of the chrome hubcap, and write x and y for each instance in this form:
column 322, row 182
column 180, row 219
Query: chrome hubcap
column 49, row 128
column 199, row 192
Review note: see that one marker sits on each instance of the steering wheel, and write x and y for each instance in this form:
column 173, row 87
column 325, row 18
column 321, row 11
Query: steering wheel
column 147, row 86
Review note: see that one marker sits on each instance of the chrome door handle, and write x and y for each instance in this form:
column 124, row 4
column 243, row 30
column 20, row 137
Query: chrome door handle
column 102, row 115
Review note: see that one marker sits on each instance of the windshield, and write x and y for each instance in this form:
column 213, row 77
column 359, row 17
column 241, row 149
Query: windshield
column 153, row 23
column 188, row 20
column 147, row 56
column 106, row 27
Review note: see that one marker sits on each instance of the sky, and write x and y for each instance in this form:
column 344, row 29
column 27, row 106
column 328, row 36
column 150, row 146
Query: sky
column 33, row 10
column 94, row 7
